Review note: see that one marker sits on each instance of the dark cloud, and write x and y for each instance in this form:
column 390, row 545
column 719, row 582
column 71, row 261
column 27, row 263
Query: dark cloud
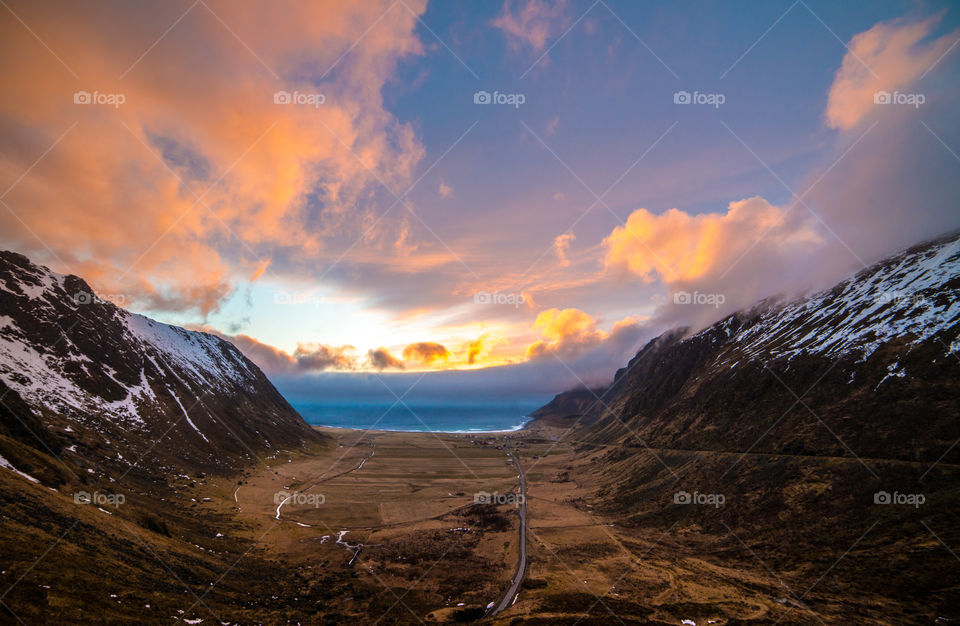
column 307, row 358
column 318, row 357
column 381, row 359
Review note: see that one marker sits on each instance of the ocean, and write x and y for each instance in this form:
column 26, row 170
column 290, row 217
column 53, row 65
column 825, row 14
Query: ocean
column 438, row 417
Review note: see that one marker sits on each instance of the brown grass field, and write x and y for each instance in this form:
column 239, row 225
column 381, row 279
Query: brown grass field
column 426, row 557
column 383, row 529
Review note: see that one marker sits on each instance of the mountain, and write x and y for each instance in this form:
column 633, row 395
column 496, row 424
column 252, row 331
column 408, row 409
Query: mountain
column 123, row 442
column 874, row 359
column 816, row 439
column 100, row 388
column 567, row 407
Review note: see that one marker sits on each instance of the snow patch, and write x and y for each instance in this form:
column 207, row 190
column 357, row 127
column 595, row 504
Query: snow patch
column 5, row 463
column 187, row 417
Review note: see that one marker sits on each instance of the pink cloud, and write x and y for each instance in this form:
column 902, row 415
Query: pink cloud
column 889, row 57
column 200, row 174
column 532, row 22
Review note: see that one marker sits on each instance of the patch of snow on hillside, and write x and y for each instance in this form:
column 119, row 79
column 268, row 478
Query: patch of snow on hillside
column 5, row 463
column 906, row 298
column 187, row 417
column 28, row 372
column 199, row 354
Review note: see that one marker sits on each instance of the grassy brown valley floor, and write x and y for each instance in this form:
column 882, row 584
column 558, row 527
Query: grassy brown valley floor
column 417, row 548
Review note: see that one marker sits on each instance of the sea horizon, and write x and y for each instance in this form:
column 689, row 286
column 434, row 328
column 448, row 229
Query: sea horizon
column 439, row 417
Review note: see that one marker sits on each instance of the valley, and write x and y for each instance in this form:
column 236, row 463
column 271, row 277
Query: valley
column 504, row 312
column 173, row 482
column 396, row 537
column 591, row 560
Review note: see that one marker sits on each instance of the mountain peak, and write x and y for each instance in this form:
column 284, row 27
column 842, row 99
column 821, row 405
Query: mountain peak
column 893, row 329
column 89, row 372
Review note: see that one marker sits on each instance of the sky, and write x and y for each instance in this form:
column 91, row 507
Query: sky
column 374, row 193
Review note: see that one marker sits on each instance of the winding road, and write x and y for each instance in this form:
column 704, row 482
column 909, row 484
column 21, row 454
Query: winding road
column 508, row 598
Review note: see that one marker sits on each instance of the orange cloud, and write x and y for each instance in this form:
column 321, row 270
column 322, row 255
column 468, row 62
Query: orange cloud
column 144, row 198
column 572, row 335
column 561, row 245
column 565, row 331
column 556, row 325
column 677, row 246
column 474, row 348
column 402, row 245
column 888, row 57
column 260, row 269
column 425, row 352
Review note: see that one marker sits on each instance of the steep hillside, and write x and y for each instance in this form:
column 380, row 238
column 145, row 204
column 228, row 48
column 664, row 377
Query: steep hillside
column 122, row 442
column 86, row 381
column 867, row 368
column 813, row 440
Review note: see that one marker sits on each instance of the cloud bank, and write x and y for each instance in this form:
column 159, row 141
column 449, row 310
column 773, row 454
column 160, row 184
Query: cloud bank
column 150, row 198
column 889, row 182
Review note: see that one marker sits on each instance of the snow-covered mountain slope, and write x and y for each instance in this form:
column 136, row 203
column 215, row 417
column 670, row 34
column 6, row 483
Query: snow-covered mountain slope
column 912, row 296
column 869, row 367
column 91, row 376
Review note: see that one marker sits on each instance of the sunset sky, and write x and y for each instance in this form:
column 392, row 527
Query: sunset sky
column 365, row 225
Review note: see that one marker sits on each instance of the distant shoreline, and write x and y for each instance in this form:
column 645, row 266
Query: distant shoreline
column 515, row 429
